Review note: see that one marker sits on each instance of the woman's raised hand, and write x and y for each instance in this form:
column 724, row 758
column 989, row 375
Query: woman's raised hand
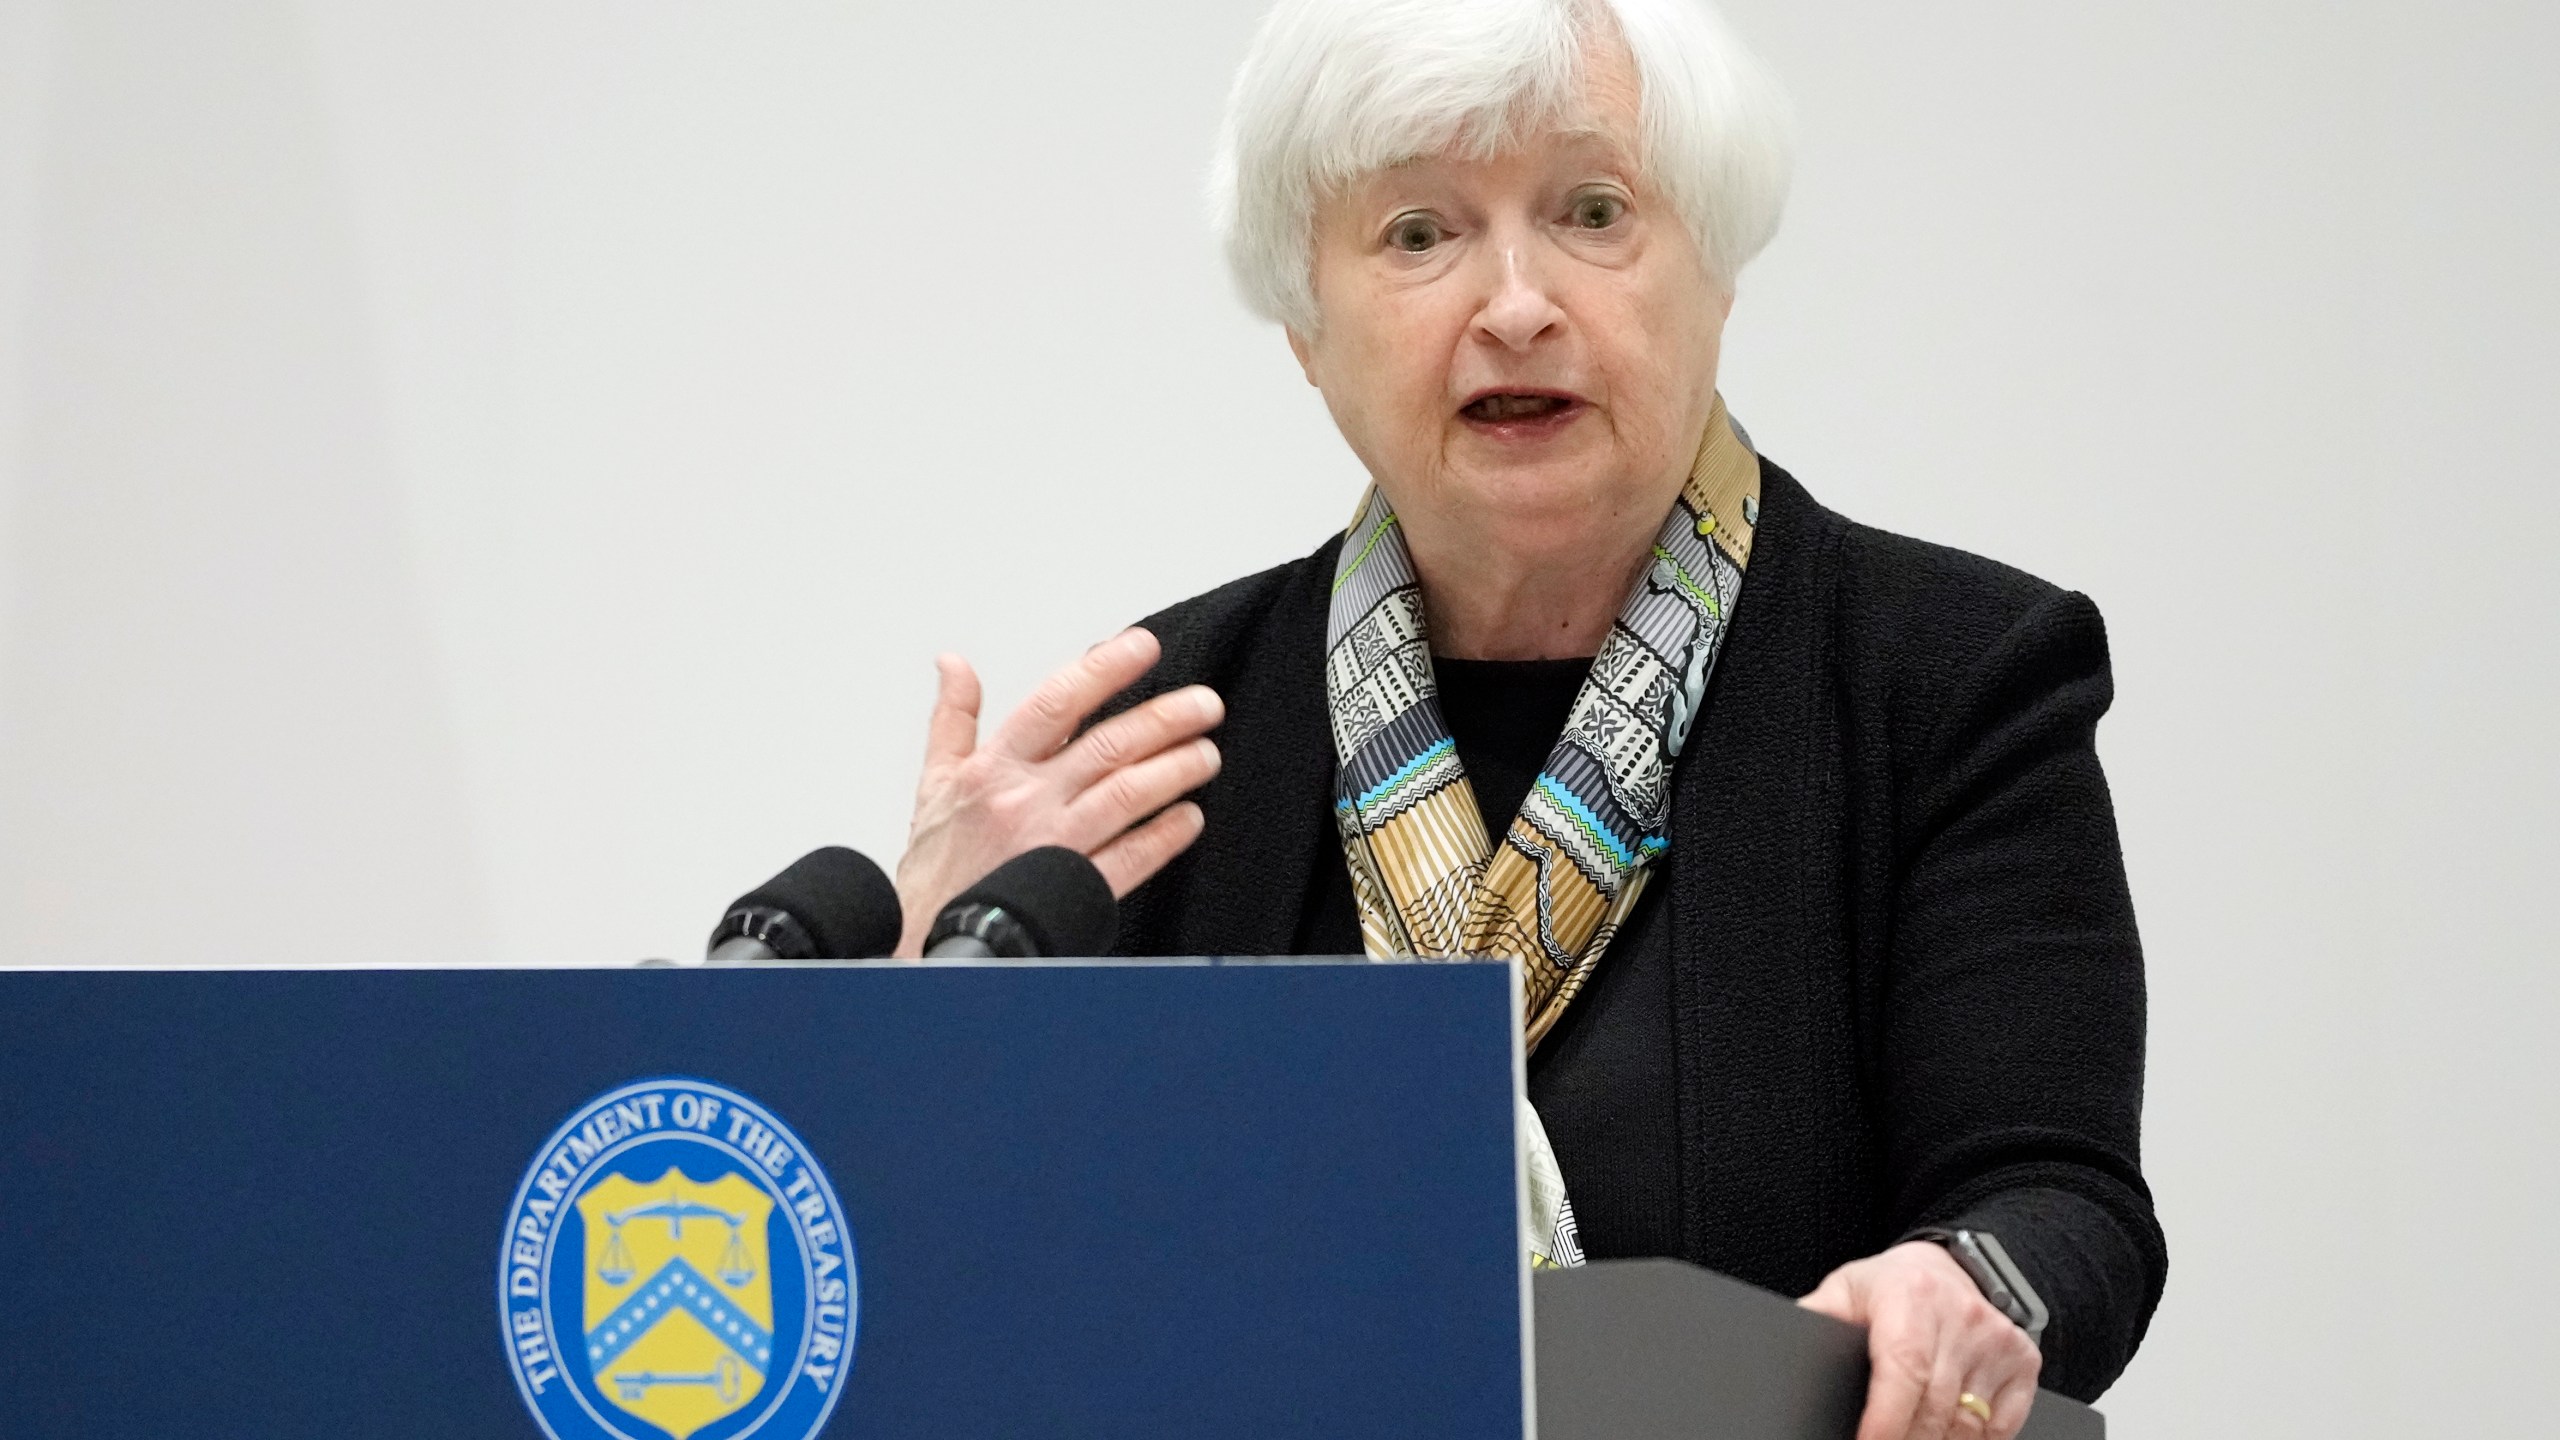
column 1037, row 782
column 1933, row 1343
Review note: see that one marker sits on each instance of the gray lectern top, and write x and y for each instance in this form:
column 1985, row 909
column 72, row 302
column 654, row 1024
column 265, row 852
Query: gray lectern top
column 1663, row 1350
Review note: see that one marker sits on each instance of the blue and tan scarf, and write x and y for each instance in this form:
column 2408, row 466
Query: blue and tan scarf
column 1429, row 880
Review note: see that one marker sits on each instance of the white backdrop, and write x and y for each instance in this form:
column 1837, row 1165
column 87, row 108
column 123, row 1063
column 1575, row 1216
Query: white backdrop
column 485, row 481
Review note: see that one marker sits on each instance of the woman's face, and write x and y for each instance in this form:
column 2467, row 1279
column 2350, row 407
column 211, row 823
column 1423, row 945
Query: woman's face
column 1521, row 349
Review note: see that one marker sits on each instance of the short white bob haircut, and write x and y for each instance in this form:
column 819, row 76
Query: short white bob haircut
column 1335, row 89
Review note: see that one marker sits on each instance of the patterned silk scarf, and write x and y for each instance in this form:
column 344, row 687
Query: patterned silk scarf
column 1429, row 880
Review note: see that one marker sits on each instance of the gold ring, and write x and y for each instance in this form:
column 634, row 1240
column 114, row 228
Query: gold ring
column 1974, row 1405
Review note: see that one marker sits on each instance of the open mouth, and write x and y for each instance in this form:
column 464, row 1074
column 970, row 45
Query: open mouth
column 1511, row 408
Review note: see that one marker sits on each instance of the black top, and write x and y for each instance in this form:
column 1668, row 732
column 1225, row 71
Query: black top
column 1505, row 716
column 1604, row 1075
column 1891, row 944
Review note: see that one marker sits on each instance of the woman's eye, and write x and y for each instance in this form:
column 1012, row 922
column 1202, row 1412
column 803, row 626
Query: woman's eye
column 1598, row 212
column 1414, row 234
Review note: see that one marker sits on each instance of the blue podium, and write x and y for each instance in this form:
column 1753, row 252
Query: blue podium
column 1053, row 1199
column 709, row 1204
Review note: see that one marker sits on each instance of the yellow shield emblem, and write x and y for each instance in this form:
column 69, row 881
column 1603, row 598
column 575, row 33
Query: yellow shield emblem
column 679, row 1297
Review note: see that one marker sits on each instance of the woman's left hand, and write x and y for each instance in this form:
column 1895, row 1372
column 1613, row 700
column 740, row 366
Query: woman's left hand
column 1932, row 1340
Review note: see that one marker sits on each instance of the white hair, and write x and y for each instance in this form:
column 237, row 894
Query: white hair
column 1336, row 89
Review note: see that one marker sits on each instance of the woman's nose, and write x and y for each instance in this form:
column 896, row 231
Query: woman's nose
column 1520, row 307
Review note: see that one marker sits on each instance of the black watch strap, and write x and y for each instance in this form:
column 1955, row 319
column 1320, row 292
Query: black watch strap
column 1995, row 1274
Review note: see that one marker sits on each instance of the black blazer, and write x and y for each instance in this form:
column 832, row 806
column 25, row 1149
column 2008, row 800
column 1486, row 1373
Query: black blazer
column 1905, row 983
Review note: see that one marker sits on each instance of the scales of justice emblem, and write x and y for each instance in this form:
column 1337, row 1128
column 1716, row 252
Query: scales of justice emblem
column 679, row 1328
column 677, row 1268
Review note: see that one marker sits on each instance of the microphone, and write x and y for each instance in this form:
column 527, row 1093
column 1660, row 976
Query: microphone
column 831, row 904
column 1049, row 901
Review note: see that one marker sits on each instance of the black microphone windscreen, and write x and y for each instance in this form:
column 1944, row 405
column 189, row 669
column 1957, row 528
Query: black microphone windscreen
column 1058, row 896
column 844, row 902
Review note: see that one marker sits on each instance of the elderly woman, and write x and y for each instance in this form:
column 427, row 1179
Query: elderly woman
column 1797, row 826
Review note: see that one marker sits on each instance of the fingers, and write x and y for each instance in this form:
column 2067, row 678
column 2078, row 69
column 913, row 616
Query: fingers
column 1980, row 1353
column 1941, row 1415
column 1839, row 1297
column 952, row 732
column 1899, row 1363
column 2005, row 1385
column 1046, row 720
column 1931, row 1339
column 1911, row 1382
column 979, row 803
column 1134, row 858
column 2005, row 1365
column 1116, row 802
column 1897, row 1387
column 2010, row 1404
column 1165, row 721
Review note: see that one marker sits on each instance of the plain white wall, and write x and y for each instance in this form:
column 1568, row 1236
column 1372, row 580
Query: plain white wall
column 485, row 481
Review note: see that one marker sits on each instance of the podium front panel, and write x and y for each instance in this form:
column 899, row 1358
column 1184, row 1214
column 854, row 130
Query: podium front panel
column 1071, row 1200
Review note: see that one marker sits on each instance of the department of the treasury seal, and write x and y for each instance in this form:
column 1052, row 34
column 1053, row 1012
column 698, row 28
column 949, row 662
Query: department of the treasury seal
column 676, row 1267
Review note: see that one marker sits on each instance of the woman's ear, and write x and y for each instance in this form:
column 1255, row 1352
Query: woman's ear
column 1305, row 350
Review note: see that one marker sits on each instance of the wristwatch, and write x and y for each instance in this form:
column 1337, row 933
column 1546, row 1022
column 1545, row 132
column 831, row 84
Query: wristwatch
column 1995, row 1274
